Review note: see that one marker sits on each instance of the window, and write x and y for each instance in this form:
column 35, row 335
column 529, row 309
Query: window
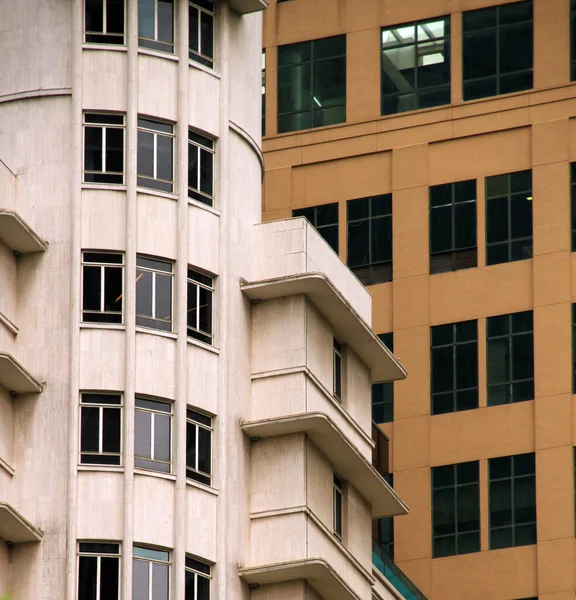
column 156, row 25
column 573, row 204
column 510, row 358
column 508, row 217
column 200, row 296
column 415, row 65
column 104, row 22
column 100, row 429
column 454, row 367
column 370, row 238
column 197, row 584
column 383, row 393
column 263, row 93
column 152, row 437
column 103, row 148
column 151, row 574
column 200, row 168
column 453, row 226
column 312, row 84
column 498, row 50
column 512, row 492
column 201, row 32
column 198, row 446
column 98, row 571
column 455, row 509
column 572, row 40
column 324, row 219
column 155, row 155
column 385, row 527
column 102, row 287
column 153, row 293
column 337, row 490
column 337, row 368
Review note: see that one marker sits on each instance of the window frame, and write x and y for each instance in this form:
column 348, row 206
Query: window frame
column 155, row 272
column 337, row 364
column 150, row 560
column 107, row 37
column 194, row 418
column 263, row 92
column 446, row 40
column 104, row 126
column 119, row 405
column 198, row 56
column 189, row 568
column 152, row 458
column 80, row 554
column 386, row 388
column 202, row 144
column 154, row 182
column 338, row 507
column 195, row 333
column 313, row 211
column 154, row 43
column 103, row 266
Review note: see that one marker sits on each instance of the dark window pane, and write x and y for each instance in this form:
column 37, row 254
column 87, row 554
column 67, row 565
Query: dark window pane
column 115, row 150
column 93, row 148
column 358, row 243
column 442, row 370
column 145, row 153
column 140, row 578
column 112, row 430
column 87, row 573
column 441, row 229
column 479, row 58
column 497, row 220
column 206, row 176
column 162, row 437
column 479, row 19
column 165, row 23
column 203, row 589
column 164, row 157
column 500, row 503
column 90, row 429
column 516, row 48
column 143, row 434
column 91, row 293
column 444, row 512
column 115, row 16
column 465, row 225
column 444, row 546
column 144, row 293
column 443, row 476
column 109, row 578
column 204, row 450
column 159, row 581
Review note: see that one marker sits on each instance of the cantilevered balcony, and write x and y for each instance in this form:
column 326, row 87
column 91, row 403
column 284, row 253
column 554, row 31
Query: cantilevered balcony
column 248, row 6
column 14, row 528
column 18, row 235
column 15, row 378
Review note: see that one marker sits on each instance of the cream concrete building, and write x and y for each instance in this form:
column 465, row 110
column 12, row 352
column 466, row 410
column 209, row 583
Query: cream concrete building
column 184, row 392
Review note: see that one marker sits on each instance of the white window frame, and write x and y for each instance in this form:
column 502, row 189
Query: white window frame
column 103, row 266
column 209, row 428
column 173, row 44
column 211, row 289
column 153, row 412
column 154, row 273
column 99, row 556
column 199, row 147
column 155, row 133
column 104, row 127
column 192, row 54
column 104, row 31
column 101, row 408
column 199, row 574
column 150, row 562
column 338, row 490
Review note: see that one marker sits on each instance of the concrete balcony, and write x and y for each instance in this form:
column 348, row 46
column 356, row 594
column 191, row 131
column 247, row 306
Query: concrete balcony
column 15, row 378
column 18, row 235
column 248, row 6
column 14, row 528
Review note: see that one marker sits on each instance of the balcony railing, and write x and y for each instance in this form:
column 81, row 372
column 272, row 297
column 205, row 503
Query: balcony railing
column 394, row 574
column 381, row 451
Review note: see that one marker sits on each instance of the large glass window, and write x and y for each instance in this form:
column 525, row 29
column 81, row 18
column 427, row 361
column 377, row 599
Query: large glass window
column 102, row 287
column 201, row 31
column 103, row 148
column 156, row 25
column 150, row 574
column 312, row 84
column 453, row 226
column 383, row 393
column 454, row 367
column 325, row 221
column 198, row 575
column 155, row 155
column 512, row 501
column 154, row 293
column 455, row 509
column 100, row 429
column 416, row 65
column 152, row 435
column 98, row 571
column 370, row 238
column 383, row 528
column 198, row 446
column 510, row 358
column 498, row 50
column 200, row 299
column 200, row 168
column 104, row 21
column 337, row 496
column 508, row 217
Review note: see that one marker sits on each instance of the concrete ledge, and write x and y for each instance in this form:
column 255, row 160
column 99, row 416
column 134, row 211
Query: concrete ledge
column 15, row 378
column 347, row 460
column 15, row 528
column 18, row 235
column 316, row 571
column 248, row 6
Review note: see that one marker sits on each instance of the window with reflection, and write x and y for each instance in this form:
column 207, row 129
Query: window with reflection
column 100, row 428
column 150, row 574
column 455, row 509
column 154, row 293
column 510, row 358
column 152, row 435
column 197, row 579
column 200, row 299
column 454, row 367
column 155, row 155
column 104, row 22
column 415, row 65
column 370, row 238
column 312, row 84
column 201, row 32
column 508, row 217
column 498, row 50
column 453, row 226
column 324, row 218
column 512, row 501
column 383, row 393
column 104, row 148
column 98, row 571
column 156, row 25
column 200, row 168
column 102, row 287
column 198, row 446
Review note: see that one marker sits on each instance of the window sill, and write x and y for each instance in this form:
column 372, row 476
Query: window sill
column 203, row 345
column 115, row 47
column 196, row 65
column 166, row 334
column 151, row 192
column 198, row 204
column 104, row 186
column 158, row 54
column 112, row 326
column 167, row 476
column 202, row 486
column 105, row 468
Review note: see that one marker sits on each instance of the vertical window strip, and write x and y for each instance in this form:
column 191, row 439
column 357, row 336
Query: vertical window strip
column 104, row 143
column 196, row 423
column 155, row 161
column 338, row 508
column 383, row 393
column 201, row 168
column 102, row 287
column 154, row 297
column 198, row 579
column 151, row 574
column 200, row 306
column 201, row 35
column 151, row 453
column 100, row 428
